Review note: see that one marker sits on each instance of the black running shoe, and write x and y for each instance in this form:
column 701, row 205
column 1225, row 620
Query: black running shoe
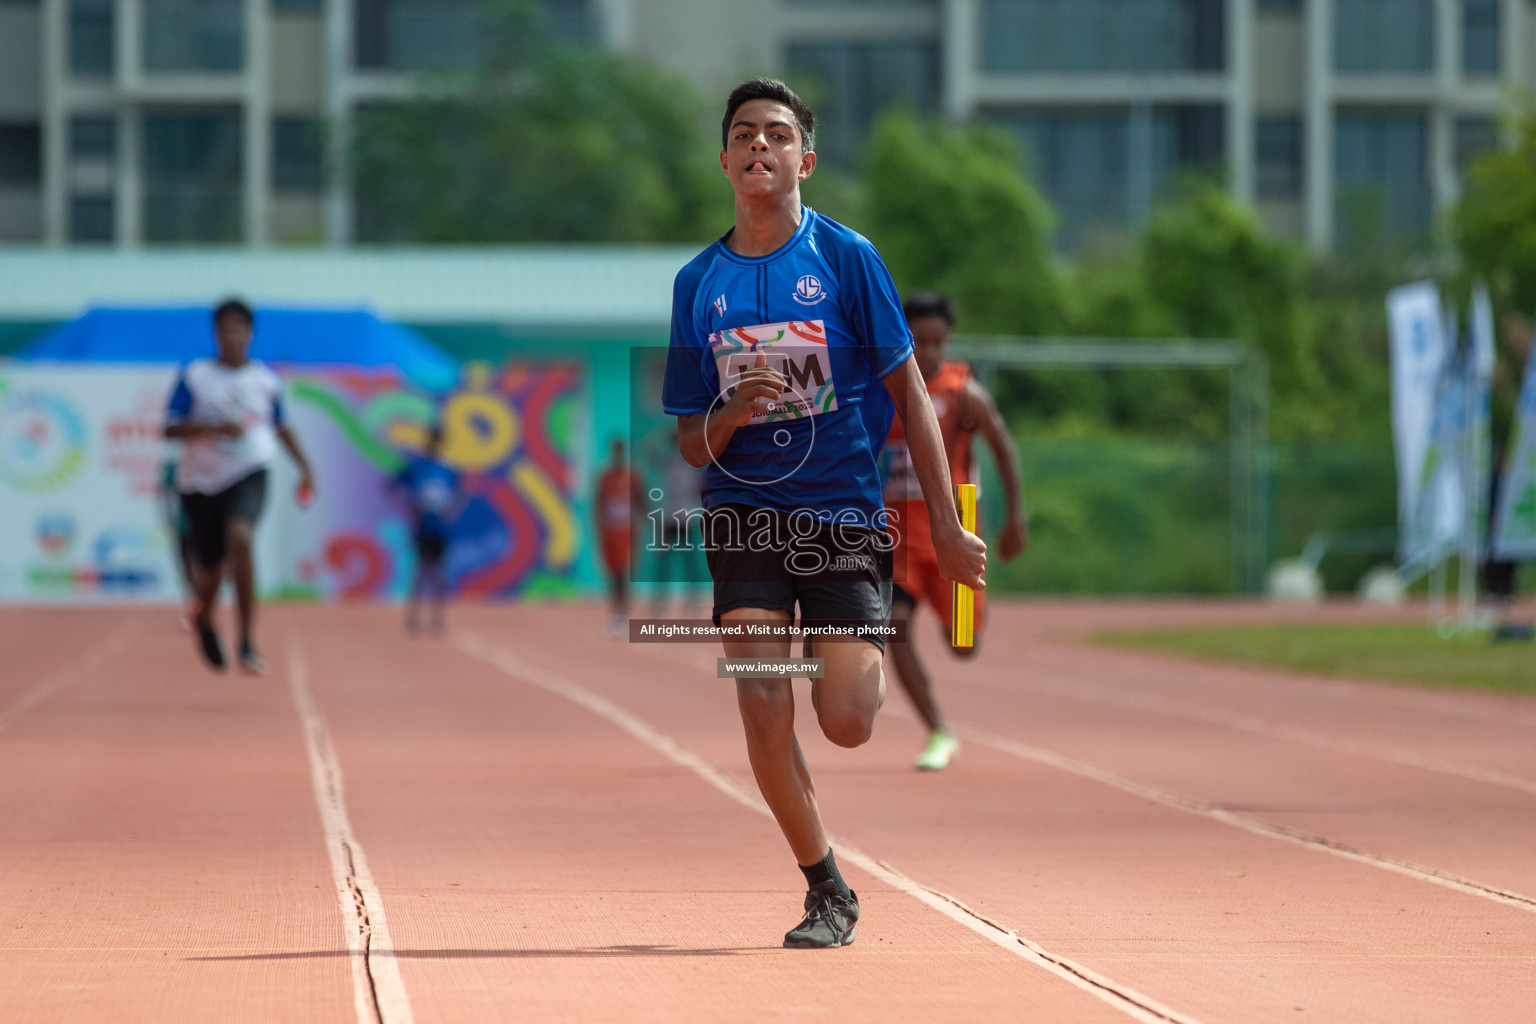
column 829, row 918
column 210, row 646
column 251, row 660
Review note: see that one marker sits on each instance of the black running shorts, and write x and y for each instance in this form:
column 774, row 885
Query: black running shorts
column 209, row 515
column 837, row 574
column 431, row 545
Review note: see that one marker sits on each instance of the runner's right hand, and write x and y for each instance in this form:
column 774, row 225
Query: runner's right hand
column 229, row 428
column 759, row 388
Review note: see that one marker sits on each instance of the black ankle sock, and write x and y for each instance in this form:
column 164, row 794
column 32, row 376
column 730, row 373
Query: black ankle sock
column 823, row 870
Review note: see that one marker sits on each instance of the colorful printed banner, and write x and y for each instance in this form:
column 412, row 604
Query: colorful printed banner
column 509, row 433
column 81, row 460
column 80, row 466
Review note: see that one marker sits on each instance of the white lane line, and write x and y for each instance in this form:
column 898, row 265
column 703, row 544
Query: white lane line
column 1193, row 805
column 1258, row 826
column 1100, row 694
column 1128, row 1001
column 66, row 676
column 378, row 992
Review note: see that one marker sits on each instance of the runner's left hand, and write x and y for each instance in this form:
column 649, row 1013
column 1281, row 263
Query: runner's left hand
column 962, row 556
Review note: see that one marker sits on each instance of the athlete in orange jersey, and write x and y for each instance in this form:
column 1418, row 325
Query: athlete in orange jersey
column 619, row 500
column 963, row 408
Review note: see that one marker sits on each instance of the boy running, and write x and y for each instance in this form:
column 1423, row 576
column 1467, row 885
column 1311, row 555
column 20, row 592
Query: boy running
column 620, row 498
column 963, row 407
column 789, row 350
column 228, row 412
column 430, row 490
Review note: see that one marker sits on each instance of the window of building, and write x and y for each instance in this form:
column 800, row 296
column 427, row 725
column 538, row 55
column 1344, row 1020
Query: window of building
column 90, row 37
column 447, row 35
column 1480, row 37
column 1054, row 36
column 1476, row 136
column 298, row 154
column 1279, row 6
column 1102, row 168
column 192, row 177
column 571, row 21
column 92, row 219
column 1381, row 176
column 861, row 3
column 850, row 84
column 21, row 151
column 296, row 6
column 1277, row 163
column 93, row 137
column 1383, row 35
column 194, row 35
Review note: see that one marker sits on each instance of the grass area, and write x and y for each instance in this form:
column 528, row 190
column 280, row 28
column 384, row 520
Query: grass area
column 1394, row 653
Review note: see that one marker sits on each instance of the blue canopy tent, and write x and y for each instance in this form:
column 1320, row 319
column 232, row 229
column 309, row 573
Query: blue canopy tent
column 307, row 336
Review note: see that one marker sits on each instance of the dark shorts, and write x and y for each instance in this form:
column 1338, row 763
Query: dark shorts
column 209, row 515
column 837, row 574
column 1499, row 580
column 430, row 546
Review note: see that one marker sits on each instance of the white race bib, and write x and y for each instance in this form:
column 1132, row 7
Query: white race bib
column 797, row 349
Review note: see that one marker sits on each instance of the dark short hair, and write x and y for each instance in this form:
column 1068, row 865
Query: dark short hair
column 770, row 89
column 233, row 307
column 921, row 304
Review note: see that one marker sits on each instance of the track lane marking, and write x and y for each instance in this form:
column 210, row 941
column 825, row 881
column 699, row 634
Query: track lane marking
column 62, row 679
column 1257, row 725
column 1128, row 1001
column 378, row 991
column 1258, row 826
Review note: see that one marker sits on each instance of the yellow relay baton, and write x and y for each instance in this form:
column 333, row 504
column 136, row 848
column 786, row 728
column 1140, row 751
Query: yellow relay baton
column 963, row 622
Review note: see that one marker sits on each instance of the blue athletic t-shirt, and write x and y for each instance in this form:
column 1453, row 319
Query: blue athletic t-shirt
column 431, row 491
column 824, row 312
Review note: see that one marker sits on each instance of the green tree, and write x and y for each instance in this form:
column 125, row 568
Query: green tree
column 1494, row 226
column 542, row 143
column 1215, row 273
column 1495, row 221
column 949, row 209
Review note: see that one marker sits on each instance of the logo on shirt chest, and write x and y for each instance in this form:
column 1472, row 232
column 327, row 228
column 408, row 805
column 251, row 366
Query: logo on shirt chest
column 808, row 290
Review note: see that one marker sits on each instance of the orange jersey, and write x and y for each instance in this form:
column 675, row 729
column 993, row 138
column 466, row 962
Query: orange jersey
column 615, row 491
column 615, row 514
column 916, row 567
column 946, row 390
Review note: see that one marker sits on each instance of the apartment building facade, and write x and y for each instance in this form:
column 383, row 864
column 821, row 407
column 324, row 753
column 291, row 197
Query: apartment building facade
column 134, row 122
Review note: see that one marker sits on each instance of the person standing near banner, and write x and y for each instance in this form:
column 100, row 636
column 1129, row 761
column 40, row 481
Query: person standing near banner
column 963, row 408
column 228, row 414
column 431, row 493
column 620, row 498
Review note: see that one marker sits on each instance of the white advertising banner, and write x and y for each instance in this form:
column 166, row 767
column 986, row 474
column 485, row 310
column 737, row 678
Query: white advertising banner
column 1478, row 449
column 1419, row 348
column 1514, row 525
column 81, row 460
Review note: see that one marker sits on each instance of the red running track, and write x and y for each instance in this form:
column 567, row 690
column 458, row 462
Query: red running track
column 525, row 821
